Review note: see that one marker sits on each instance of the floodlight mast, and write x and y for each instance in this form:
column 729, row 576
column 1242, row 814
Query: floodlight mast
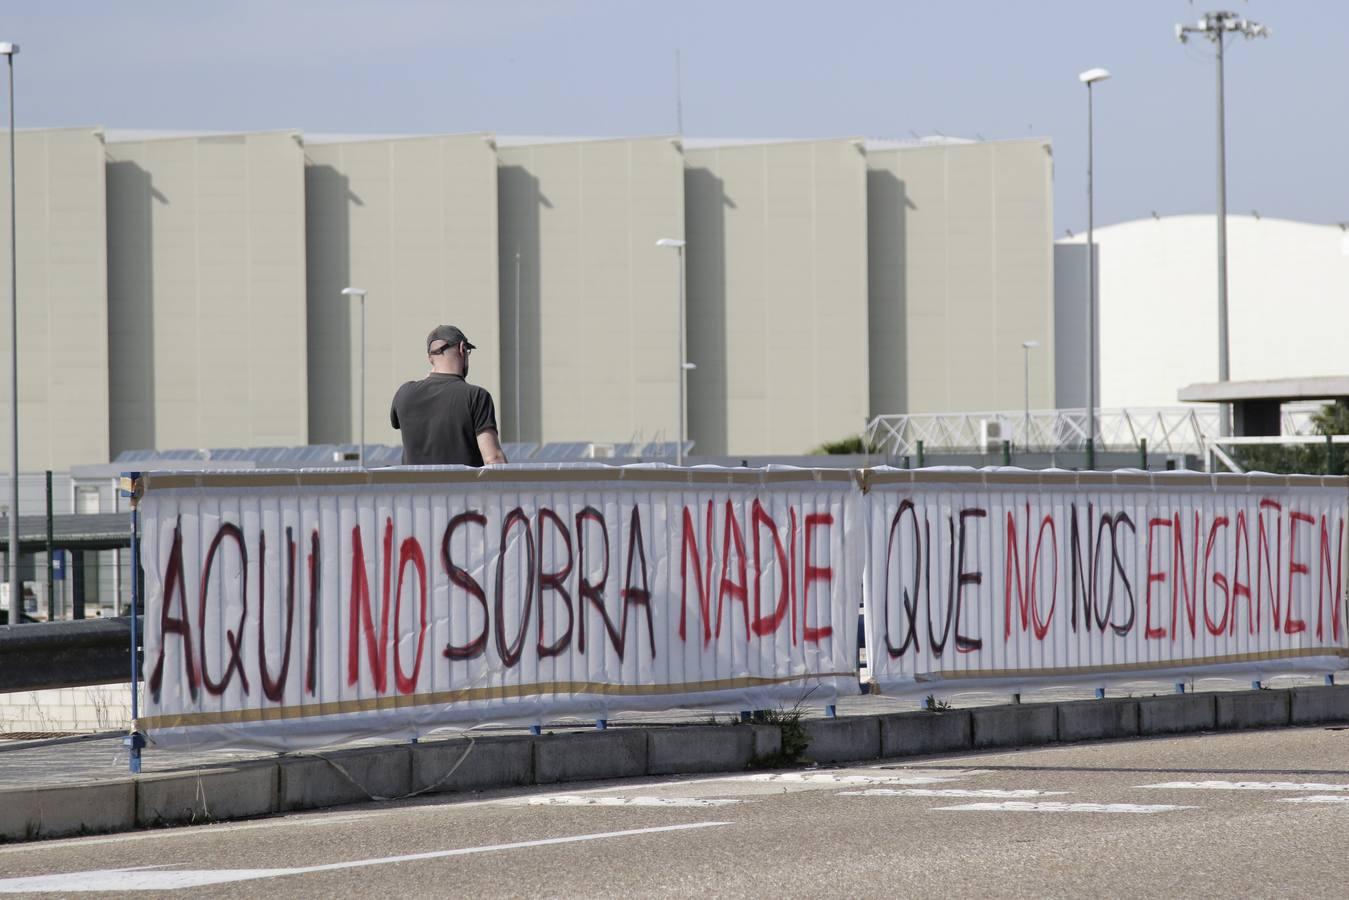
column 1215, row 26
column 1090, row 78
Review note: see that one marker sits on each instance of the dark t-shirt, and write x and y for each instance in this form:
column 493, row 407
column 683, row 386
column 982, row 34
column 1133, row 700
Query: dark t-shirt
column 441, row 417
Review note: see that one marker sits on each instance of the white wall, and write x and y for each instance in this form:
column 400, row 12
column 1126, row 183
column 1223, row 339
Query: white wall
column 961, row 274
column 777, row 293
column 206, row 292
column 414, row 222
column 598, row 300
column 1288, row 303
column 62, row 298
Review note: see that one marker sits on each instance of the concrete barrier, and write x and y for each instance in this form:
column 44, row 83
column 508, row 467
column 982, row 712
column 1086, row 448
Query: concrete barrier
column 207, row 795
column 699, row 748
column 65, row 654
column 1253, row 709
column 461, row 765
column 842, row 740
column 391, row 771
column 600, row 754
column 1098, row 720
column 344, row 776
column 927, row 732
column 1314, row 705
column 1178, row 713
column 1014, row 726
column 68, row 809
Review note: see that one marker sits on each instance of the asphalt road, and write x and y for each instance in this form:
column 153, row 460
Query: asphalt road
column 1257, row 814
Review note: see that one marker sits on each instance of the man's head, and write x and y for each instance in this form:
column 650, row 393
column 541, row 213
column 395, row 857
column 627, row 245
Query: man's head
column 448, row 349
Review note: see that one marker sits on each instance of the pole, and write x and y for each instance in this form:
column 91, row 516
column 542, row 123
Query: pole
column 683, row 364
column 15, row 589
column 1091, row 297
column 135, row 741
column 361, row 455
column 517, row 346
column 1224, row 411
column 1025, row 353
column 51, row 603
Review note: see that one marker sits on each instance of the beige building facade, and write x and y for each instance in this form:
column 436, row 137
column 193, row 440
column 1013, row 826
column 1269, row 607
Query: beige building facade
column 593, row 300
column 413, row 221
column 777, row 295
column 62, row 298
column 827, row 281
column 206, row 291
column 961, row 275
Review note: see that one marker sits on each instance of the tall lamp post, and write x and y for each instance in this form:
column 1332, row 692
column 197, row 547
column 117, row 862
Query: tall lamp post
column 1090, row 77
column 15, row 589
column 1215, row 26
column 1026, row 348
column 359, row 294
column 684, row 365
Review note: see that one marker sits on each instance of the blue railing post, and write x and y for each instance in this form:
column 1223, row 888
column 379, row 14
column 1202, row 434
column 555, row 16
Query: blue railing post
column 135, row 741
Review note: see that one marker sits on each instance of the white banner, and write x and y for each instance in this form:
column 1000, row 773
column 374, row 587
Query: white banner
column 1011, row 578
column 292, row 609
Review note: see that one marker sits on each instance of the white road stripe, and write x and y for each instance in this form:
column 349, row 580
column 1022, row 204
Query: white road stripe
column 1246, row 786
column 1052, row 807
column 141, row 879
column 949, row 792
column 296, row 820
column 1339, row 799
column 850, row 780
column 575, row 800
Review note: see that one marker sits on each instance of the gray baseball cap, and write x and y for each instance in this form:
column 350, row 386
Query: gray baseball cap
column 450, row 334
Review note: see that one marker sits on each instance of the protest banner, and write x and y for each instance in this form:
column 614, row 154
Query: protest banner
column 1010, row 579
column 287, row 609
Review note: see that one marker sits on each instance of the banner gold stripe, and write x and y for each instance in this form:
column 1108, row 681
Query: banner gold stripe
column 1151, row 665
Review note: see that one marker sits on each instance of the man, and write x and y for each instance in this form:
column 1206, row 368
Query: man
column 444, row 419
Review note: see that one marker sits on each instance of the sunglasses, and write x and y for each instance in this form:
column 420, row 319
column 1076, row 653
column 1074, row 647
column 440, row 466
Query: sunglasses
column 448, row 347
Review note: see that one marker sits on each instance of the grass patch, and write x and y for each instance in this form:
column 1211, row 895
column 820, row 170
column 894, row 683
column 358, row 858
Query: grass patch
column 794, row 743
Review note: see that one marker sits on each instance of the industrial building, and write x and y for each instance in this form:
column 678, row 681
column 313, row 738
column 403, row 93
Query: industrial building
column 63, row 311
column 826, row 281
column 1157, row 295
column 777, row 314
column 412, row 221
column 960, row 266
column 206, row 313
column 589, row 303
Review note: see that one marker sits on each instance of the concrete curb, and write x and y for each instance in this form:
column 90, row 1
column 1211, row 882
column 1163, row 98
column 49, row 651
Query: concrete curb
column 316, row 780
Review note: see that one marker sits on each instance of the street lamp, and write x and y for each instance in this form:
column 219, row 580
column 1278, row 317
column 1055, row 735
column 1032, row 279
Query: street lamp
column 1090, row 77
column 1026, row 347
column 359, row 294
column 15, row 589
column 1215, row 26
column 684, row 365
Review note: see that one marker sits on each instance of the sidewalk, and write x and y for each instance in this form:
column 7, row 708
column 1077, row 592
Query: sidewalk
column 61, row 786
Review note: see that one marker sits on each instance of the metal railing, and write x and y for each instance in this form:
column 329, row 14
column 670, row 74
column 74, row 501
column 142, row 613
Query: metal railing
column 1187, row 429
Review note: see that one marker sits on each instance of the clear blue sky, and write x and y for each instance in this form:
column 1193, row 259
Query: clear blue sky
column 751, row 69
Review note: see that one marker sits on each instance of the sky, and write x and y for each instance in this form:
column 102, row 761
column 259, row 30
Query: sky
column 784, row 69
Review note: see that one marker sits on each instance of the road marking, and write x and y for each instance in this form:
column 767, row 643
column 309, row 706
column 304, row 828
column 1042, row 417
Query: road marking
column 574, row 800
column 825, row 778
column 948, row 792
column 1053, row 807
column 1316, row 798
column 1247, row 786
column 142, row 879
column 302, row 820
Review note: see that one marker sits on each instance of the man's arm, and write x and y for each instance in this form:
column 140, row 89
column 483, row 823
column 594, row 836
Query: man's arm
column 490, row 447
